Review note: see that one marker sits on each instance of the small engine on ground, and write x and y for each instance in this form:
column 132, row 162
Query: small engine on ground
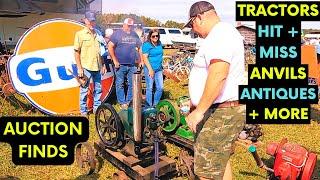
column 292, row 161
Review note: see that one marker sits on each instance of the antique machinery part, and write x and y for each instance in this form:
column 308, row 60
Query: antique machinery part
column 253, row 150
column 136, row 106
column 8, row 89
column 251, row 147
column 85, row 157
column 185, row 164
column 309, row 167
column 2, row 82
column 156, row 155
column 3, row 70
column 108, row 126
column 251, row 132
column 292, row 161
column 172, row 115
column 120, row 175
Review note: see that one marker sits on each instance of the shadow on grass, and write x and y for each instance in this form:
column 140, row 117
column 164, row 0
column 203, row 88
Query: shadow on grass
column 100, row 163
column 9, row 178
column 88, row 177
column 268, row 162
column 166, row 95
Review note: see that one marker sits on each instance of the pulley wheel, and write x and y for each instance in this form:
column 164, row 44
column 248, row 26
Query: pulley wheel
column 182, row 73
column 309, row 167
column 171, row 111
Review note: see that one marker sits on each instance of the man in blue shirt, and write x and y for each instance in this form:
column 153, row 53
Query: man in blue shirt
column 123, row 47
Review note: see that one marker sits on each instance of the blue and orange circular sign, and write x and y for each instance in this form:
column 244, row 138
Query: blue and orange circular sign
column 39, row 68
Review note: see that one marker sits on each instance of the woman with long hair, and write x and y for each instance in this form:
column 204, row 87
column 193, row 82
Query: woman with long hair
column 152, row 56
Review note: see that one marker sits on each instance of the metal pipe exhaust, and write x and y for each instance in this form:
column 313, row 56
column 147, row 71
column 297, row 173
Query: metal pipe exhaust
column 136, row 106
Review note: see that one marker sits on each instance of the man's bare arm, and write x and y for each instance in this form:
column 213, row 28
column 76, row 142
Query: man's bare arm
column 217, row 75
column 141, row 56
column 111, row 48
column 78, row 62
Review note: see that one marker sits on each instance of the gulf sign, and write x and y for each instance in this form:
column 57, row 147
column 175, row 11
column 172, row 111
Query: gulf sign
column 39, row 68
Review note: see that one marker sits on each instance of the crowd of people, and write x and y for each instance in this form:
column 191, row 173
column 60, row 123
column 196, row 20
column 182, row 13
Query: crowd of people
column 127, row 52
column 215, row 116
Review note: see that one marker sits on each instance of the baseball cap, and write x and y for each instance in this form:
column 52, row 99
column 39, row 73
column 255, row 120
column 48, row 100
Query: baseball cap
column 108, row 32
column 90, row 16
column 198, row 8
column 128, row 21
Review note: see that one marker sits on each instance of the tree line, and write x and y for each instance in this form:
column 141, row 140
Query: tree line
column 104, row 19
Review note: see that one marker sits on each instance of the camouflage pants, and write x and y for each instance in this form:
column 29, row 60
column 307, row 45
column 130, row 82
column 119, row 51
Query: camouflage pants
column 215, row 141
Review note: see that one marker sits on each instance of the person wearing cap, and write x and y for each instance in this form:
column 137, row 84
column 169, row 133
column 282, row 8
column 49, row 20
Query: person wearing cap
column 89, row 61
column 123, row 48
column 107, row 34
column 217, row 117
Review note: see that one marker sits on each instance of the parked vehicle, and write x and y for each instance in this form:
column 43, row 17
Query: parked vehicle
column 167, row 35
column 192, row 38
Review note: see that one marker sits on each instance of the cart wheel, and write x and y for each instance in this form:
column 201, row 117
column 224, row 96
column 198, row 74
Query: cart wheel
column 182, row 73
column 85, row 157
column 108, row 126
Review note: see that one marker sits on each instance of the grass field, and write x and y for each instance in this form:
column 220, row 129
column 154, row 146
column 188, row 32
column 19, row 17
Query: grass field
column 243, row 164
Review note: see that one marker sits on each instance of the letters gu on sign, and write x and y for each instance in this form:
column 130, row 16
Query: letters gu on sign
column 40, row 67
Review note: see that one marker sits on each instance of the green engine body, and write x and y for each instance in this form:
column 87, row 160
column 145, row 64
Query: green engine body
column 126, row 117
column 175, row 122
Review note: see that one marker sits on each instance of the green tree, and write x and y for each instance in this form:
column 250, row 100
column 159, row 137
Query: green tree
column 173, row 24
column 104, row 19
column 150, row 22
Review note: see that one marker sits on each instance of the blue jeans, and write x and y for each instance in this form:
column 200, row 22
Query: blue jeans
column 158, row 79
column 96, row 77
column 121, row 73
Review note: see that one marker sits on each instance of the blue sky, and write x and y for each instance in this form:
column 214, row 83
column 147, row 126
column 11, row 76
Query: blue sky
column 176, row 10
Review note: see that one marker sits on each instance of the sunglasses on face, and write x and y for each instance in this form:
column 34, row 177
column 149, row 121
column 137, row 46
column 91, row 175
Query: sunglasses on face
column 192, row 21
column 155, row 36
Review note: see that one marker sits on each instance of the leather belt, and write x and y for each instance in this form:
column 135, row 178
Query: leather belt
column 226, row 104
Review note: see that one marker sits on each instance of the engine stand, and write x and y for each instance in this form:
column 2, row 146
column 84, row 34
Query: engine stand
column 137, row 168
